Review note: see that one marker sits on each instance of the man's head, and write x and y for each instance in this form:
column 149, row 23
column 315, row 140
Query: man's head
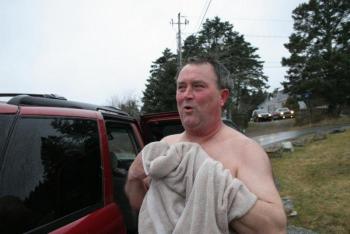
column 202, row 90
column 223, row 75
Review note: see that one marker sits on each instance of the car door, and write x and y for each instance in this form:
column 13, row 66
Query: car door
column 51, row 177
column 124, row 143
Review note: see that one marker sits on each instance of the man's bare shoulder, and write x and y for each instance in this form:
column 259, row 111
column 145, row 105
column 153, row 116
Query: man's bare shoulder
column 248, row 147
column 172, row 139
column 235, row 137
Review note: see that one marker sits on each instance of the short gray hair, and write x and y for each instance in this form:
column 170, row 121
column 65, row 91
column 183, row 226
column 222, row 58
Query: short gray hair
column 222, row 73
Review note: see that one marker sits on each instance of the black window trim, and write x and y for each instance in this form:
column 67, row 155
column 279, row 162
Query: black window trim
column 124, row 124
column 7, row 140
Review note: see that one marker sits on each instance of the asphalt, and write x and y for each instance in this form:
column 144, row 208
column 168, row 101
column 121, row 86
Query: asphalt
column 266, row 140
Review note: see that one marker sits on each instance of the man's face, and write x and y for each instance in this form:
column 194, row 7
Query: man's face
column 199, row 100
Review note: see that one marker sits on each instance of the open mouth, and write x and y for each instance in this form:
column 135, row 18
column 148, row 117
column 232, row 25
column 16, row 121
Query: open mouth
column 188, row 108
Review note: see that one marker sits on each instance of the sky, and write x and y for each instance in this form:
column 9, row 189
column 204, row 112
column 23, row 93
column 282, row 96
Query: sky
column 93, row 50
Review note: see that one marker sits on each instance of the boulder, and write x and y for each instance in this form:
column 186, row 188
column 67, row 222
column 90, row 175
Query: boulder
column 318, row 136
column 287, row 146
column 289, row 206
column 301, row 141
column 274, row 151
column 337, row 130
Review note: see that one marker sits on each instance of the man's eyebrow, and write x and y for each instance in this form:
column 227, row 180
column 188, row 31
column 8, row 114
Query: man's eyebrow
column 198, row 81
column 192, row 82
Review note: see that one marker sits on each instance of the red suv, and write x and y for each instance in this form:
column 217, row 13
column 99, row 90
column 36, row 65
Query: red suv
column 63, row 166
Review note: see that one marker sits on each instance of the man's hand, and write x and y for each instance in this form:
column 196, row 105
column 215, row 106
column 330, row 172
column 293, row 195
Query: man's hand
column 137, row 183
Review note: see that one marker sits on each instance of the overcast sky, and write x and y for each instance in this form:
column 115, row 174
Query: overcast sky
column 91, row 50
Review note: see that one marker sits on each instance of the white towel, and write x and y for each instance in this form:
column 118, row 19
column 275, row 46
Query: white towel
column 189, row 192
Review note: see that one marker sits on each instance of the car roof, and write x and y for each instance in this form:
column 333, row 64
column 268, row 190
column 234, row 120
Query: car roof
column 38, row 102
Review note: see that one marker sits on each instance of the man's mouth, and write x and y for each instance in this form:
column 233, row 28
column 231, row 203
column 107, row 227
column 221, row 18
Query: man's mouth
column 188, row 108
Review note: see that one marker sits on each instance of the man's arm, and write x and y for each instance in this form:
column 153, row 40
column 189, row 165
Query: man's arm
column 267, row 215
column 136, row 184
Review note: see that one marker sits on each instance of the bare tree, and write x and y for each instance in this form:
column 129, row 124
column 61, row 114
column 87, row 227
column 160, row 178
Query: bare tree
column 129, row 104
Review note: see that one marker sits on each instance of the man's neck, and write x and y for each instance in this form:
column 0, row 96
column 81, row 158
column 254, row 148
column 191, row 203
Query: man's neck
column 203, row 135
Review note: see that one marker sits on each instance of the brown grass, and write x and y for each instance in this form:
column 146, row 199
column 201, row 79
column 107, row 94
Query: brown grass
column 317, row 178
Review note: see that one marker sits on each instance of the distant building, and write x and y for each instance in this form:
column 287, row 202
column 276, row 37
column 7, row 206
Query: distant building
column 277, row 100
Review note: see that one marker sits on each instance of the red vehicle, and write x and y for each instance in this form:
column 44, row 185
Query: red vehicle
column 63, row 164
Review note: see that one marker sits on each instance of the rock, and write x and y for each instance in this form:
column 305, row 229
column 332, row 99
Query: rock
column 287, row 146
column 301, row 141
column 318, row 136
column 298, row 230
column 338, row 130
column 274, row 148
column 274, row 151
column 289, row 207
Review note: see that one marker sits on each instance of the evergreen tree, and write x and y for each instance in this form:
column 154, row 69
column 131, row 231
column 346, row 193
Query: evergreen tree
column 160, row 92
column 218, row 40
column 319, row 64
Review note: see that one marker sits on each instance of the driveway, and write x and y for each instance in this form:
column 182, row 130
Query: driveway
column 268, row 139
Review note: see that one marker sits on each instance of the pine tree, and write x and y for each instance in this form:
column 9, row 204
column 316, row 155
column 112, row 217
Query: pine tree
column 160, row 92
column 319, row 64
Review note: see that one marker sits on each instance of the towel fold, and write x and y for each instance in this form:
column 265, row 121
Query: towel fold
column 189, row 192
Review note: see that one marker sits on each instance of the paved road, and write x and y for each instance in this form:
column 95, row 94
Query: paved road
column 268, row 139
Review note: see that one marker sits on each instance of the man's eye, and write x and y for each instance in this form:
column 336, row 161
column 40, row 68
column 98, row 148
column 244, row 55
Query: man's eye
column 181, row 88
column 199, row 86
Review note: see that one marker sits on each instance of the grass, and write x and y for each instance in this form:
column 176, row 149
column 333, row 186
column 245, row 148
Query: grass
column 317, row 178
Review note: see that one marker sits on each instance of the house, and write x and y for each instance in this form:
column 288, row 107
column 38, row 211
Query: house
column 276, row 100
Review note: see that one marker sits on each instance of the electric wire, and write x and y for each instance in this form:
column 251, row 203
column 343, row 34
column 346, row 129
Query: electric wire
column 203, row 17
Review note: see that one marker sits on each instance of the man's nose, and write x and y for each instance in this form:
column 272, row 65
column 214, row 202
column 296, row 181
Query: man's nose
column 188, row 93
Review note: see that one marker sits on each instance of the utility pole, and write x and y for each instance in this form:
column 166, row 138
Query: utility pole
column 179, row 38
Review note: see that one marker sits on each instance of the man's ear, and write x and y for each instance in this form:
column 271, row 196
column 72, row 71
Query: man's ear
column 224, row 94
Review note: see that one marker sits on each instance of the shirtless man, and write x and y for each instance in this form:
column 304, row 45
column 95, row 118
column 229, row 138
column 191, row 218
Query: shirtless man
column 202, row 90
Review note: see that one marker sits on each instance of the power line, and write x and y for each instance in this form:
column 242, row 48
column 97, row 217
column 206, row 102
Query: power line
column 200, row 14
column 203, row 16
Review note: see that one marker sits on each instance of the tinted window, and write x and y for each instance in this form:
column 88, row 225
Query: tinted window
column 51, row 169
column 5, row 124
column 159, row 130
column 123, row 150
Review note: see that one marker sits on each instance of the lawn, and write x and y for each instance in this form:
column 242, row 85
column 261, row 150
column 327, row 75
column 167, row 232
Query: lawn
column 317, row 178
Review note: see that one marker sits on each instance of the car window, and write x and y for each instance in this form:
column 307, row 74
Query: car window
column 51, row 172
column 5, row 124
column 122, row 150
column 161, row 129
